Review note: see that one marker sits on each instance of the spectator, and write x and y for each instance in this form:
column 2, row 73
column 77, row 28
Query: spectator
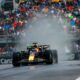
column 73, row 24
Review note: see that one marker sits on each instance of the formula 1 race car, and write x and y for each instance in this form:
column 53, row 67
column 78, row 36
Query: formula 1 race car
column 76, row 49
column 35, row 54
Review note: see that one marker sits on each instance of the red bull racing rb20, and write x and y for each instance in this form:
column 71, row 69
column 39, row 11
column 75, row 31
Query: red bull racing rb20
column 35, row 54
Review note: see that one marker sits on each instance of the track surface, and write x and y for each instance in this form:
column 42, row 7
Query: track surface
column 68, row 70
column 48, row 30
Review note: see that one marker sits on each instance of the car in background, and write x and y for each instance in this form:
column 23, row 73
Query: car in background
column 76, row 48
column 35, row 54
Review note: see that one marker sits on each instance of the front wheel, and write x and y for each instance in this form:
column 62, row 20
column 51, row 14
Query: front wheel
column 15, row 63
column 16, row 59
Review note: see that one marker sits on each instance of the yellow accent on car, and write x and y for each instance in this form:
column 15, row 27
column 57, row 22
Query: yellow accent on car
column 37, row 49
column 31, row 57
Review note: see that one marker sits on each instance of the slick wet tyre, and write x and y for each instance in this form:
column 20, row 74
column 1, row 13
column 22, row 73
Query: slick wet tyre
column 49, row 57
column 55, row 56
column 16, row 59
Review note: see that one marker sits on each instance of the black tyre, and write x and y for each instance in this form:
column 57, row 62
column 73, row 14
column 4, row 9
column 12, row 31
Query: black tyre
column 55, row 56
column 49, row 57
column 16, row 59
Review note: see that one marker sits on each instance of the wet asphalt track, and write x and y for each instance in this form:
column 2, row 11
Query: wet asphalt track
column 48, row 30
column 68, row 70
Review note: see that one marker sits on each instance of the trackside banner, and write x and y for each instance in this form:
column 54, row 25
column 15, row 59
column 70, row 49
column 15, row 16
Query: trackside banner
column 5, row 61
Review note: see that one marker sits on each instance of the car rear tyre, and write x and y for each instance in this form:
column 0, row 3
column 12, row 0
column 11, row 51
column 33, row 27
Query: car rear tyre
column 55, row 56
column 49, row 57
